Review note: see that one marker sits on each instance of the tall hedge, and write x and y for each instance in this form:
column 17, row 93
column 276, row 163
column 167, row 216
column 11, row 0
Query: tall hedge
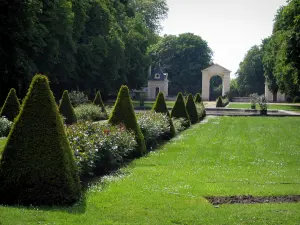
column 98, row 101
column 66, row 109
column 179, row 110
column 198, row 98
column 191, row 109
column 123, row 113
column 160, row 106
column 11, row 107
column 37, row 165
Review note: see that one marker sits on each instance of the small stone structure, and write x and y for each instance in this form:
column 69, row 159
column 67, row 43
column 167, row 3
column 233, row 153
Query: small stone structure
column 208, row 73
column 157, row 82
column 281, row 97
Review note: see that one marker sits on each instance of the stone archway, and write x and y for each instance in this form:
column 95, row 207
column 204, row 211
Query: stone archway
column 211, row 71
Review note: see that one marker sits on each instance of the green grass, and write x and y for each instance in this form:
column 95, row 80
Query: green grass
column 227, row 156
column 270, row 106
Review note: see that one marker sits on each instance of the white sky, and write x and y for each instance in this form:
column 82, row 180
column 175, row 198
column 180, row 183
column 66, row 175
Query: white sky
column 230, row 27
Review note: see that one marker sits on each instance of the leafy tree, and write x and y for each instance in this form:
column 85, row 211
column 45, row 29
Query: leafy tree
column 251, row 73
column 182, row 57
column 123, row 113
column 11, row 106
column 161, row 107
column 192, row 110
column 179, row 110
column 66, row 109
column 37, row 166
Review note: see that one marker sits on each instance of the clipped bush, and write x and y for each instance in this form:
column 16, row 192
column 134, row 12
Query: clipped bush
column 99, row 148
column 154, row 127
column 198, row 98
column 192, row 110
column 66, row 109
column 219, row 102
column 37, row 166
column 201, row 110
column 296, row 99
column 11, row 106
column 160, row 106
column 98, row 102
column 179, row 124
column 78, row 98
column 179, row 110
column 89, row 112
column 5, row 126
column 123, row 113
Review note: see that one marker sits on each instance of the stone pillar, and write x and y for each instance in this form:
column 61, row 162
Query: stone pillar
column 268, row 94
column 205, row 85
column 226, row 83
column 280, row 97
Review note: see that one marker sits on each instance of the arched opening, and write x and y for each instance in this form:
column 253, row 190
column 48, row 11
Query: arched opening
column 215, row 87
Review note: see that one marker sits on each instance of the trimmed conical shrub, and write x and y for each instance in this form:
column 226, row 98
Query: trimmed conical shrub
column 198, row 98
column 123, row 113
column 11, row 107
column 161, row 107
column 37, row 165
column 98, row 101
column 179, row 110
column 66, row 109
column 192, row 110
column 219, row 102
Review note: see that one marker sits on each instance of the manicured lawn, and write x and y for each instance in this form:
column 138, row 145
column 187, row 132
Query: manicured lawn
column 227, row 156
column 270, row 106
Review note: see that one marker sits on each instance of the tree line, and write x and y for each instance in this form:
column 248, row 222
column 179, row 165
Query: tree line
column 276, row 61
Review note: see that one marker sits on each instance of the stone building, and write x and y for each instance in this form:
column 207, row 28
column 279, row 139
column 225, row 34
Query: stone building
column 281, row 97
column 157, row 82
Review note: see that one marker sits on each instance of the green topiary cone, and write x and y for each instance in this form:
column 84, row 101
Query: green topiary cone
column 66, row 109
column 179, row 110
column 98, row 101
column 123, row 113
column 161, row 107
column 219, row 102
column 37, row 165
column 11, row 107
column 198, row 98
column 192, row 110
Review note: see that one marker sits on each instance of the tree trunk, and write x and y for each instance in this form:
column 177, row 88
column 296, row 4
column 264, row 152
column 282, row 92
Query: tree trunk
column 274, row 96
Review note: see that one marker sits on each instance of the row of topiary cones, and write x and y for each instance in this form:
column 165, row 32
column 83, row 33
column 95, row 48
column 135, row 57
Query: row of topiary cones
column 37, row 165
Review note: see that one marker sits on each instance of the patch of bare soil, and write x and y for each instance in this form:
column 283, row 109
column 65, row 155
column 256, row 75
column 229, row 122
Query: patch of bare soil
column 249, row 199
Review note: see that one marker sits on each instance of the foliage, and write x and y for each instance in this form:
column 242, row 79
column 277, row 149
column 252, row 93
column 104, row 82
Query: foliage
column 179, row 124
column 123, row 113
column 66, row 109
column 201, row 111
column 89, row 112
column 153, row 126
column 37, row 166
column 219, row 102
column 98, row 101
column 78, row 98
column 161, row 107
column 254, row 98
column 192, row 110
column 251, row 73
column 234, row 89
column 11, row 106
column 99, row 148
column 182, row 57
column 179, row 110
column 198, row 98
column 5, row 126
column 296, row 99
column 262, row 103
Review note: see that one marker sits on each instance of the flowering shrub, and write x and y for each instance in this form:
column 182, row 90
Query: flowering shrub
column 89, row 112
column 201, row 110
column 254, row 98
column 5, row 126
column 179, row 124
column 99, row 148
column 153, row 126
column 78, row 98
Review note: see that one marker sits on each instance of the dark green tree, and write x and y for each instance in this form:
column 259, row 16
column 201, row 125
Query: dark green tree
column 123, row 113
column 198, row 98
column 11, row 106
column 179, row 110
column 37, row 166
column 161, row 107
column 66, row 109
column 192, row 110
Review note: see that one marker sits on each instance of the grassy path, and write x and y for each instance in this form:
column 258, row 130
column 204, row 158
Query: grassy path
column 227, row 156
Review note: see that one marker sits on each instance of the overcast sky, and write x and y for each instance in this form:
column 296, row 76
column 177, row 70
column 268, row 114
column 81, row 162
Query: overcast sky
column 230, row 27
